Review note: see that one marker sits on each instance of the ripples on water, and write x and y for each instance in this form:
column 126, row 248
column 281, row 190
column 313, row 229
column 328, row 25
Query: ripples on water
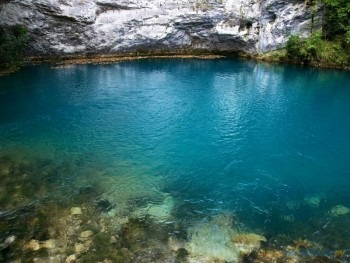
column 174, row 160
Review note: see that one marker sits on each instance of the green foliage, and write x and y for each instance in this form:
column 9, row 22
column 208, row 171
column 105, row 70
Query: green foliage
column 316, row 50
column 337, row 18
column 347, row 39
column 13, row 41
column 294, row 47
column 331, row 46
column 314, row 45
column 305, row 49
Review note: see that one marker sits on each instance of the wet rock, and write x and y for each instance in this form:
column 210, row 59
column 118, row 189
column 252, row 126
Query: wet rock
column 302, row 244
column 71, row 259
column 48, row 244
column 9, row 240
column 75, row 211
column 113, row 240
column 339, row 210
column 32, row 245
column 322, row 259
column 79, row 248
column 86, row 234
column 104, row 205
column 246, row 243
column 269, row 255
column 181, row 255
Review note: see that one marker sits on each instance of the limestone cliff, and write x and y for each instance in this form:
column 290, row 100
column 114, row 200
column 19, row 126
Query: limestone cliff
column 117, row 26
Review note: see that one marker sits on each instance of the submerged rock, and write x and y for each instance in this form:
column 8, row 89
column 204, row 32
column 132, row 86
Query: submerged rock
column 217, row 240
column 75, row 211
column 313, row 201
column 35, row 245
column 9, row 240
column 104, row 205
column 86, row 234
column 246, row 243
column 302, row 244
column 48, row 244
column 339, row 210
column 79, row 248
column 71, row 259
column 159, row 212
column 32, row 245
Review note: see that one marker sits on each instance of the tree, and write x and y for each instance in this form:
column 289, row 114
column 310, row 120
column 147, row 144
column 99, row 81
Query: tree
column 337, row 18
column 13, row 41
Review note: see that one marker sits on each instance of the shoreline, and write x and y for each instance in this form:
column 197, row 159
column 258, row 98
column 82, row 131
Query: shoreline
column 112, row 58
column 61, row 61
column 268, row 57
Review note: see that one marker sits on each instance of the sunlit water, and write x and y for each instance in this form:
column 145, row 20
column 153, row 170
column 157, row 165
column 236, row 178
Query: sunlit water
column 182, row 141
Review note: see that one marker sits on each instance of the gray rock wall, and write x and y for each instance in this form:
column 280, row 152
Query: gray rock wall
column 117, row 26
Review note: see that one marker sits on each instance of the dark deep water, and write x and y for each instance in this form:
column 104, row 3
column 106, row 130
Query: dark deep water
column 171, row 159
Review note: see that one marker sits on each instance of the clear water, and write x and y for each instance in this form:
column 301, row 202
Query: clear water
column 192, row 139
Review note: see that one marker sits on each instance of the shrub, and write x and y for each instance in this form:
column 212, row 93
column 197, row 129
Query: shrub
column 13, row 41
column 305, row 49
column 314, row 45
column 294, row 47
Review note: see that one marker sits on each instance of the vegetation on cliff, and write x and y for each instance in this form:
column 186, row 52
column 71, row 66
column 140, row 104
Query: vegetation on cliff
column 13, row 41
column 329, row 46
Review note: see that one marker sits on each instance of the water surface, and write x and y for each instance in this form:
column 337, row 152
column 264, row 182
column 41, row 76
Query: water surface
column 181, row 142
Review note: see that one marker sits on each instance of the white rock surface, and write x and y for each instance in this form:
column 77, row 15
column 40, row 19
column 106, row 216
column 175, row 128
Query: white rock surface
column 117, row 26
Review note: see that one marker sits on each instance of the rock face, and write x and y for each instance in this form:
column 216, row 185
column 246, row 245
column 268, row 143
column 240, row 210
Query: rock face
column 117, row 26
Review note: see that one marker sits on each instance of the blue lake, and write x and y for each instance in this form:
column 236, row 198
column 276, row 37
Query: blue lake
column 173, row 147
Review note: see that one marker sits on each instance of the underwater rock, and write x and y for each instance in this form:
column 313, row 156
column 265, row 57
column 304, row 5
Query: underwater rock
column 313, row 201
column 339, row 210
column 270, row 255
column 104, row 205
column 9, row 240
column 79, row 248
column 288, row 218
column 113, row 240
column 322, row 259
column 302, row 243
column 75, row 211
column 71, row 259
column 216, row 240
column 48, row 244
column 32, row 245
column 35, row 245
column 86, row 234
column 247, row 243
column 158, row 212
column 211, row 240
column 181, row 255
column 339, row 253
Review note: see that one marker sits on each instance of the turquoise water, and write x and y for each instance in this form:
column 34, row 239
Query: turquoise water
column 182, row 142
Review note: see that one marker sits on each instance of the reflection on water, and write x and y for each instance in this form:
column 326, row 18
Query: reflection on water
column 175, row 161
